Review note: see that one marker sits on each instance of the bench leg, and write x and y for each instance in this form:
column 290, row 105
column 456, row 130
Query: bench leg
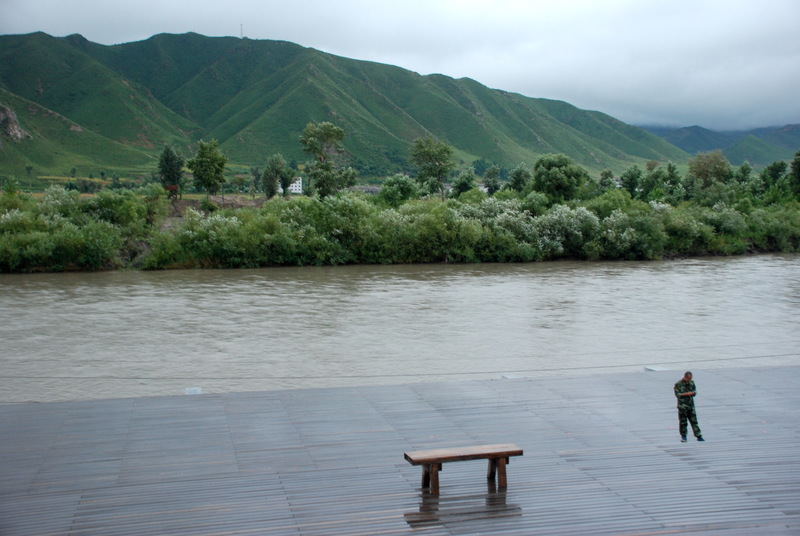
column 498, row 466
column 430, row 477
column 502, row 482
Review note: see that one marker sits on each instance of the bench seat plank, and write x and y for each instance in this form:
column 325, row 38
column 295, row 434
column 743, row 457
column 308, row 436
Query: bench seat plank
column 478, row 452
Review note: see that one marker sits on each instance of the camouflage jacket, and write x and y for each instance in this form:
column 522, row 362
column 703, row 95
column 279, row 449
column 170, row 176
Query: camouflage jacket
column 685, row 387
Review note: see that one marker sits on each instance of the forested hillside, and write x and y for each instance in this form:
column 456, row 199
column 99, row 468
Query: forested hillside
column 88, row 107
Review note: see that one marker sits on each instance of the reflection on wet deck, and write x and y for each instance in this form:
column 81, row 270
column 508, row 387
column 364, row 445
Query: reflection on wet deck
column 602, row 456
column 469, row 511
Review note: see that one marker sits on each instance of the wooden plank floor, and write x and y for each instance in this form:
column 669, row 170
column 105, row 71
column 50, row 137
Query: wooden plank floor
column 602, row 456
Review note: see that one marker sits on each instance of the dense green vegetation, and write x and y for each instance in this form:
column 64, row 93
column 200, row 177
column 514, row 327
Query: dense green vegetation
column 96, row 107
column 714, row 209
column 63, row 231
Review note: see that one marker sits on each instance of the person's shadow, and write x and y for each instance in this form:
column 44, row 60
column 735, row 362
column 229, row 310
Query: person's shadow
column 437, row 510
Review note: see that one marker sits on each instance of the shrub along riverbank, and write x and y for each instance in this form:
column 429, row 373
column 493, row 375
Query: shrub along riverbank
column 122, row 229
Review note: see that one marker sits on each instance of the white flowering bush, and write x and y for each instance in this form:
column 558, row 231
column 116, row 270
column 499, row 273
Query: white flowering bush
column 508, row 233
column 618, row 235
column 17, row 221
column 57, row 200
column 213, row 240
column 637, row 236
column 659, row 207
column 563, row 232
column 725, row 219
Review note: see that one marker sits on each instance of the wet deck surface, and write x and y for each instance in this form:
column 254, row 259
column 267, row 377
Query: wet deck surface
column 602, row 456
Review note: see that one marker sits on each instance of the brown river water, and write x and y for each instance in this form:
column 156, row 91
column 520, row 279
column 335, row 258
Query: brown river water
column 129, row 334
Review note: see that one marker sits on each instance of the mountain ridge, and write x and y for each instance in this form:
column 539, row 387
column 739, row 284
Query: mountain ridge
column 256, row 96
column 759, row 146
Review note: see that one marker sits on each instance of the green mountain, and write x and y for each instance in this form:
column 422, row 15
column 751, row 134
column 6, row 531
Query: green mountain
column 52, row 143
column 759, row 147
column 115, row 107
column 755, row 150
column 786, row 137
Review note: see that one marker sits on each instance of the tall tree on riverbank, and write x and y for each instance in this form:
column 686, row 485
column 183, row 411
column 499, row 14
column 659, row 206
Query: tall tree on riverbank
column 520, row 178
column 170, row 168
column 492, row 179
column 276, row 173
column 711, row 167
column 558, row 177
column 432, row 157
column 208, row 167
column 324, row 142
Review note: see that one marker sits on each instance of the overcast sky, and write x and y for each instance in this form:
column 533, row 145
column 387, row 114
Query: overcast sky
column 720, row 64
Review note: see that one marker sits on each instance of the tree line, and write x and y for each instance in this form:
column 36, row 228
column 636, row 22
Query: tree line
column 552, row 210
column 710, row 178
column 325, row 173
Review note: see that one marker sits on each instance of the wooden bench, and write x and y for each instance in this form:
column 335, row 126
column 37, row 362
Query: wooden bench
column 432, row 460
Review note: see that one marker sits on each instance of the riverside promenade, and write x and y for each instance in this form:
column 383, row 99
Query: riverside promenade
column 601, row 456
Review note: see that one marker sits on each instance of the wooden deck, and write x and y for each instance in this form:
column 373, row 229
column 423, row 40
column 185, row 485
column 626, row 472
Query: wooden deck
column 602, row 456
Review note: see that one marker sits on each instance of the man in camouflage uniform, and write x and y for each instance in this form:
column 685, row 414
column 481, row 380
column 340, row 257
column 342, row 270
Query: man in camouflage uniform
column 685, row 392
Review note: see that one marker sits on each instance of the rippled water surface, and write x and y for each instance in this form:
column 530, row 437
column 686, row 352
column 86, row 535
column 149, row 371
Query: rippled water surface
column 121, row 334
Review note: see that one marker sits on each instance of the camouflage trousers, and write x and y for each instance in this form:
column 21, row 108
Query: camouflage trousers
column 688, row 415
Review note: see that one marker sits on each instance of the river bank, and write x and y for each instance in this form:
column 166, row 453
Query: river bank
column 130, row 230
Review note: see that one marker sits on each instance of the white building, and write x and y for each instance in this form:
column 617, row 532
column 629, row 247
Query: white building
column 295, row 188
